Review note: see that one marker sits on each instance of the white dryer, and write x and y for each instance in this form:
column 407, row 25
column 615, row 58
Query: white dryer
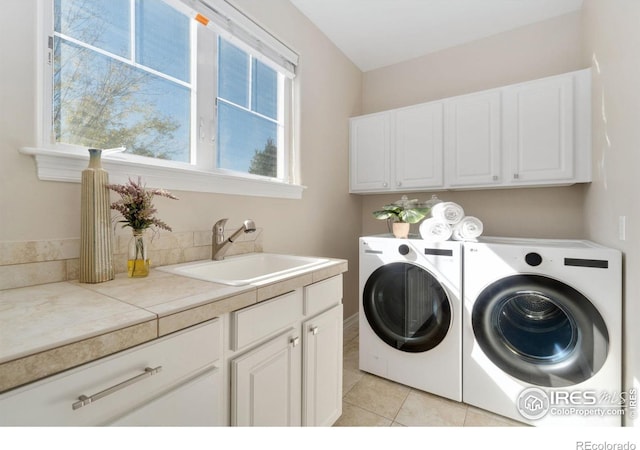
column 542, row 330
column 411, row 313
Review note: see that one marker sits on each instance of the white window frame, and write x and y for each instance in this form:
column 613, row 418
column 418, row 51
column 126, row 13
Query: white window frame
column 60, row 162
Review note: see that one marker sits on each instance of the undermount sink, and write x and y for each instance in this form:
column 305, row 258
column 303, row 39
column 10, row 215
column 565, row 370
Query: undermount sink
column 245, row 269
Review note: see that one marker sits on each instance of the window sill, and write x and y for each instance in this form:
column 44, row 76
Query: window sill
column 54, row 165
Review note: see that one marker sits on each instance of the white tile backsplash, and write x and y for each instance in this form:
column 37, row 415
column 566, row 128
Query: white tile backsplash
column 29, row 263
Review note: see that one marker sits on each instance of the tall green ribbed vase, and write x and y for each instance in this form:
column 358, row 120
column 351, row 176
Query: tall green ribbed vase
column 96, row 240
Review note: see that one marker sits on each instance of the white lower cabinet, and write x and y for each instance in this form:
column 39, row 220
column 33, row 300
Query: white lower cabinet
column 322, row 375
column 265, row 383
column 279, row 363
column 293, row 376
column 151, row 385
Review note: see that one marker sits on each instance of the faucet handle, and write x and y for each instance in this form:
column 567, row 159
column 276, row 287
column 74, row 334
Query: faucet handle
column 218, row 227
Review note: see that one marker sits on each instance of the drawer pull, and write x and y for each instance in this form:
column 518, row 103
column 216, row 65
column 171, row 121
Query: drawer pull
column 84, row 400
column 314, row 330
column 294, row 341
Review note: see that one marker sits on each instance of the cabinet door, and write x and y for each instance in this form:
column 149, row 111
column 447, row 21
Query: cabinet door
column 418, row 147
column 266, row 383
column 539, row 130
column 322, row 375
column 197, row 402
column 472, row 140
column 369, row 153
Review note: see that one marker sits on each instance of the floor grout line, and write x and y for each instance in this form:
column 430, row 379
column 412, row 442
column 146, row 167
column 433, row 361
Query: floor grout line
column 497, row 421
column 401, row 405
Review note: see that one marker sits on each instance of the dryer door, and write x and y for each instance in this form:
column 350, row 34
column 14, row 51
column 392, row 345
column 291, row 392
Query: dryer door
column 540, row 330
column 407, row 307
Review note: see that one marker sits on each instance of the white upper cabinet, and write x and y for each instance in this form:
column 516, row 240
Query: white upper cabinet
column 369, row 152
column 473, row 139
column 397, row 150
column 527, row 134
column 418, row 146
column 546, row 130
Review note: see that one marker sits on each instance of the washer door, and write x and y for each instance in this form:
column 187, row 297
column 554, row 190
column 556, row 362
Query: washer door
column 540, row 330
column 406, row 307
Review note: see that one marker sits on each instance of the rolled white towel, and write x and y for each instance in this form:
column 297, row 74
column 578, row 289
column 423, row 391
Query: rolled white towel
column 435, row 230
column 449, row 212
column 468, row 229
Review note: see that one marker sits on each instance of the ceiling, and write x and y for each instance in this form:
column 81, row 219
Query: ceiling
column 378, row 33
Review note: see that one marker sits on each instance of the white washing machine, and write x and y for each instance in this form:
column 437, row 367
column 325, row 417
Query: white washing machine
column 542, row 330
column 411, row 313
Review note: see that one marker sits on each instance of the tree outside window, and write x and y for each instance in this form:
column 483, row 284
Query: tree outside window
column 122, row 76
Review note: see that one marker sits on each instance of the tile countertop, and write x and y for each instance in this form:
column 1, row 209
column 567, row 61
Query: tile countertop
column 49, row 328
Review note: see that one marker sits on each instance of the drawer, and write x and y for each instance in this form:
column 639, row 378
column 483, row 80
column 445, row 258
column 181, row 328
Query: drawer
column 49, row 402
column 251, row 325
column 323, row 295
column 197, row 402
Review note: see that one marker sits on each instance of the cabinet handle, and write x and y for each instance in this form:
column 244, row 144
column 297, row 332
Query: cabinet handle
column 314, row 330
column 294, row 341
column 385, row 184
column 516, row 176
column 399, row 183
column 84, row 400
column 495, row 178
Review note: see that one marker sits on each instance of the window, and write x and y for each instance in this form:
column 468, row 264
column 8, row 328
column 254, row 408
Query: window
column 249, row 119
column 122, row 77
column 186, row 91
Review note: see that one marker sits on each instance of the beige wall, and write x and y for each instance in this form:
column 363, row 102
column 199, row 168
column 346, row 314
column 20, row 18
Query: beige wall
column 326, row 222
column 535, row 212
column 526, row 53
column 612, row 42
column 530, row 52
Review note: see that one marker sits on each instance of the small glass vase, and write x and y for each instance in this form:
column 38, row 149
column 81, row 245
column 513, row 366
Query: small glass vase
column 138, row 260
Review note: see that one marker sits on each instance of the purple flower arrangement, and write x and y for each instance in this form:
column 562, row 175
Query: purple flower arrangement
column 136, row 205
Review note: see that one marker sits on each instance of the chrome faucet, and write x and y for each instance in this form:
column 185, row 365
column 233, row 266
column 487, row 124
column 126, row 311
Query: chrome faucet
column 220, row 244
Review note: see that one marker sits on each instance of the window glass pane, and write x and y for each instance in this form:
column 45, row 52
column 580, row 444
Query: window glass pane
column 264, row 95
column 101, row 102
column 233, row 74
column 246, row 142
column 103, row 24
column 162, row 38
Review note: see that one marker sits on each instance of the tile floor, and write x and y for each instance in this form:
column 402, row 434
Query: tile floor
column 369, row 400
